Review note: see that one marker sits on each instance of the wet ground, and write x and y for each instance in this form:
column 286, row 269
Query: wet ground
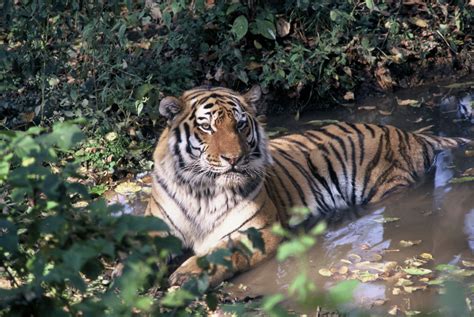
column 395, row 247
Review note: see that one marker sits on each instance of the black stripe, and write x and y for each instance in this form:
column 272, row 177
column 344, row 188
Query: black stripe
column 402, row 149
column 370, row 167
column 293, row 181
column 176, row 149
column 310, row 180
column 371, row 130
column 354, row 170
column 380, row 180
column 338, row 139
column 426, row 155
column 333, row 175
column 285, row 189
column 320, row 179
column 188, row 137
column 247, row 220
column 163, row 211
column 339, row 125
column 314, row 134
column 360, row 137
column 157, row 179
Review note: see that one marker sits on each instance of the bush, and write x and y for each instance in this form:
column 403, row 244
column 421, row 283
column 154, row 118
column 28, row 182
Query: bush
column 58, row 246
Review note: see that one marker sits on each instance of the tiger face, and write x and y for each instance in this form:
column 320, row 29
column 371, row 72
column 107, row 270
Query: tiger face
column 215, row 137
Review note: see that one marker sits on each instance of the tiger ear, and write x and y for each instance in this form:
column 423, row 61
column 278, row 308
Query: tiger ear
column 170, row 107
column 253, row 96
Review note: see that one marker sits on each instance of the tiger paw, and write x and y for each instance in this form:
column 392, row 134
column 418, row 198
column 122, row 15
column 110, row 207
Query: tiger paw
column 185, row 272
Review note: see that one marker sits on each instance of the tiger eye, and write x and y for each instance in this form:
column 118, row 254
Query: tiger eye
column 206, row 126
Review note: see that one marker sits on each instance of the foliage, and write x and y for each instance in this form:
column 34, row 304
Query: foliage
column 57, row 245
column 111, row 61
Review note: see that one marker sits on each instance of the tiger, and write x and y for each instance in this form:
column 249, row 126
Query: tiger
column 216, row 173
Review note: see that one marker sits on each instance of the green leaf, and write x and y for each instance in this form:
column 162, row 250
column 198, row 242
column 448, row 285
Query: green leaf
column 220, row 257
column 417, row 271
column 142, row 91
column 454, row 299
column 271, row 305
column 177, row 298
column 320, row 228
column 265, row 28
column 463, row 179
column 255, row 237
column 370, row 4
column 446, row 267
column 128, row 224
column 26, row 147
column 294, row 247
column 342, row 292
column 240, row 27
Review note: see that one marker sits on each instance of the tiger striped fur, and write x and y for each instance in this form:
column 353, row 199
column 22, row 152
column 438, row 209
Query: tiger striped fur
column 216, row 174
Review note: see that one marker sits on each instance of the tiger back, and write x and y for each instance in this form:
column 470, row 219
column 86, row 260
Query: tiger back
column 216, row 174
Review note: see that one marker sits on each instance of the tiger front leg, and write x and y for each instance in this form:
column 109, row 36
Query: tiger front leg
column 240, row 260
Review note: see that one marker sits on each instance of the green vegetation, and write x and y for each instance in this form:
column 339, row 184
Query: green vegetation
column 58, row 245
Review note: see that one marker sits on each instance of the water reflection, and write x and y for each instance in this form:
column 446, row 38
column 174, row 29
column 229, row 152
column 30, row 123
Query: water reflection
column 469, row 228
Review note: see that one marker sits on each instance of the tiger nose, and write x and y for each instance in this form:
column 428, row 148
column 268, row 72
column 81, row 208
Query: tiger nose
column 232, row 160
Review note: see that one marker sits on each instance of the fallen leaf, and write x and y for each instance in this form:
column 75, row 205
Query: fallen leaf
column 383, row 77
column 435, row 282
column 409, row 102
column 460, row 180
column 385, row 113
column 469, row 153
column 468, row 172
column 460, row 85
column 321, row 122
column 403, row 282
column 463, row 273
column 409, row 243
column 393, row 310
column 111, row 136
column 391, row 250
column 386, row 219
column 375, row 257
column 325, row 272
column 420, row 22
column 354, row 257
column 366, row 276
column 424, row 129
column 28, row 116
column 283, row 27
column 396, row 291
column 127, row 188
column 467, row 263
column 343, row 270
column 426, row 256
column 349, row 96
column 411, row 289
column 417, row 271
column 367, row 108
column 412, row 312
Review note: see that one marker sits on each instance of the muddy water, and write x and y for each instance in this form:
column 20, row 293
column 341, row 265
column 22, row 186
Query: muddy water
column 436, row 216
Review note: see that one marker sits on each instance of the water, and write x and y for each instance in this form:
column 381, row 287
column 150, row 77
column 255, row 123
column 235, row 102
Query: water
column 436, row 215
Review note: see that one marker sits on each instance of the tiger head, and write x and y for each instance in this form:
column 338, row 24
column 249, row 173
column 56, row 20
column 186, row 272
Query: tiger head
column 213, row 137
